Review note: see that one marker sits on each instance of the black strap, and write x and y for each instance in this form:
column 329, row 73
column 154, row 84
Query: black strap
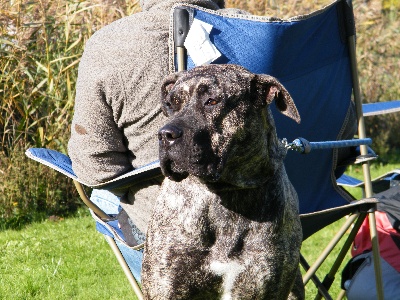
column 133, row 236
column 389, row 202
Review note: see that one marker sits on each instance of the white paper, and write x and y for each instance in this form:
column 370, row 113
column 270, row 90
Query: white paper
column 198, row 44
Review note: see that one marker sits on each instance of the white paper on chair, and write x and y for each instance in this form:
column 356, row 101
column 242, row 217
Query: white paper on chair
column 198, row 44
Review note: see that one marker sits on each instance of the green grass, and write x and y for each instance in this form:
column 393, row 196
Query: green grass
column 64, row 259
column 313, row 246
column 68, row 259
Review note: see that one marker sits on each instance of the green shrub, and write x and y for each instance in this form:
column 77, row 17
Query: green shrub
column 34, row 193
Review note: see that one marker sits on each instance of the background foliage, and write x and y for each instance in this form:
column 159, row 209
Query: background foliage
column 41, row 42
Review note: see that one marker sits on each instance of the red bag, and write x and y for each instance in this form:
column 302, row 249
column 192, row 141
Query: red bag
column 389, row 240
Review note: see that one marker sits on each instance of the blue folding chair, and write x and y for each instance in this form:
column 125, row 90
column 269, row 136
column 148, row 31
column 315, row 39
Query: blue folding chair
column 313, row 56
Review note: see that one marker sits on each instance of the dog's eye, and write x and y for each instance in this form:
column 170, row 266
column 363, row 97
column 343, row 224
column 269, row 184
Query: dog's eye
column 202, row 89
column 211, row 102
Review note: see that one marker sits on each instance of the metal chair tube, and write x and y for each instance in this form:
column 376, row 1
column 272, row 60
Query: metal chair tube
column 342, row 254
column 363, row 149
column 329, row 248
column 101, row 214
column 135, row 286
column 181, row 28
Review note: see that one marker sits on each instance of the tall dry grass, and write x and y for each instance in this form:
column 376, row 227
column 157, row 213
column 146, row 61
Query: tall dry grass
column 41, row 45
column 41, row 42
column 378, row 25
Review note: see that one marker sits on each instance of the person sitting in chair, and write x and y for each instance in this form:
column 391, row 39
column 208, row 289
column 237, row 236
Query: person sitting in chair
column 117, row 110
column 117, row 107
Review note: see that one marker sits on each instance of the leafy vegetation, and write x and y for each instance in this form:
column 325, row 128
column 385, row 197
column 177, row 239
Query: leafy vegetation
column 68, row 259
column 40, row 46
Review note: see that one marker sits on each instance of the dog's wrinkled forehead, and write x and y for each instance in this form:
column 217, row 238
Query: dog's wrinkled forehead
column 230, row 78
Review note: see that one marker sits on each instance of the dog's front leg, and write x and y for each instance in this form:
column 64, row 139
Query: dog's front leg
column 177, row 244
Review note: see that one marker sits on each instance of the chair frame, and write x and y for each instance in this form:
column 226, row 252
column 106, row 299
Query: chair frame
column 113, row 245
column 364, row 149
column 366, row 210
column 356, row 219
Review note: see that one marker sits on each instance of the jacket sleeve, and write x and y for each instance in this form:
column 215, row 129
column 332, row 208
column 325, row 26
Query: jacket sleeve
column 97, row 146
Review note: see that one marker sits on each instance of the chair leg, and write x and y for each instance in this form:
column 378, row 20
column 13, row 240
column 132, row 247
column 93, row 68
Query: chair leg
column 341, row 295
column 365, row 166
column 125, row 267
column 330, row 277
column 376, row 255
column 81, row 191
column 329, row 248
column 321, row 289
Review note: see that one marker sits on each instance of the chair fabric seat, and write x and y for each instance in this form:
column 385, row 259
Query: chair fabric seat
column 109, row 203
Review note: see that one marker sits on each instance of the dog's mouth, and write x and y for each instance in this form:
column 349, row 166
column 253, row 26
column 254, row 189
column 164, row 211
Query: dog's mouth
column 170, row 170
column 206, row 173
column 191, row 154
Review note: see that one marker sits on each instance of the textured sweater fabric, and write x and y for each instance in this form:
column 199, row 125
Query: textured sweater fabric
column 117, row 106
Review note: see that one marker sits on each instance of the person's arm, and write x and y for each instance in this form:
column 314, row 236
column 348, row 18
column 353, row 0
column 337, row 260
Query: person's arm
column 97, row 146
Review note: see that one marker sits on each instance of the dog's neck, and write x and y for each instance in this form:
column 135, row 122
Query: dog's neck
column 252, row 202
column 254, row 167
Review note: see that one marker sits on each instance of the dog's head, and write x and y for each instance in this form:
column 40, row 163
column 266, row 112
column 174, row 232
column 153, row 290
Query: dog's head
column 219, row 127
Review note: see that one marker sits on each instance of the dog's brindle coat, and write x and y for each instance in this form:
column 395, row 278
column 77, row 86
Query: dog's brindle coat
column 226, row 224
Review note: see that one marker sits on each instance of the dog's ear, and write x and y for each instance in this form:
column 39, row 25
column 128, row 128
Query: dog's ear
column 168, row 84
column 269, row 88
column 166, row 87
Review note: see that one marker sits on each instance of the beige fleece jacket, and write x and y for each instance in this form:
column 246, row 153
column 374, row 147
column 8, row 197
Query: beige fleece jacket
column 117, row 106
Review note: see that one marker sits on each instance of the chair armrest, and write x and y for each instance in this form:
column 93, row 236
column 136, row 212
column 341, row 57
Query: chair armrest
column 62, row 163
column 380, row 108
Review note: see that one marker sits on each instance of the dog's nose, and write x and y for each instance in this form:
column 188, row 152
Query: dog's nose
column 169, row 134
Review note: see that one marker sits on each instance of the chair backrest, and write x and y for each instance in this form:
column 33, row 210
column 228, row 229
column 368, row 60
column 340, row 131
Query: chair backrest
column 310, row 56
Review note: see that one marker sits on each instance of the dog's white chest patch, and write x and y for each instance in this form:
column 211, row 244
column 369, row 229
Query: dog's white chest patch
column 186, row 88
column 229, row 271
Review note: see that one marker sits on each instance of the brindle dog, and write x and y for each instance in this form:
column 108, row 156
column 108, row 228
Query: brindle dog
column 226, row 223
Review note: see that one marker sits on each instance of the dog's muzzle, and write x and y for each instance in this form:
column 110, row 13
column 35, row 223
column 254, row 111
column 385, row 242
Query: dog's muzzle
column 168, row 135
column 186, row 151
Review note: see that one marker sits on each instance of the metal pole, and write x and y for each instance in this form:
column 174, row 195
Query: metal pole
column 330, row 277
column 180, row 54
column 365, row 167
column 135, row 286
column 360, row 118
column 329, row 248
column 341, row 295
column 181, row 29
column 101, row 214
